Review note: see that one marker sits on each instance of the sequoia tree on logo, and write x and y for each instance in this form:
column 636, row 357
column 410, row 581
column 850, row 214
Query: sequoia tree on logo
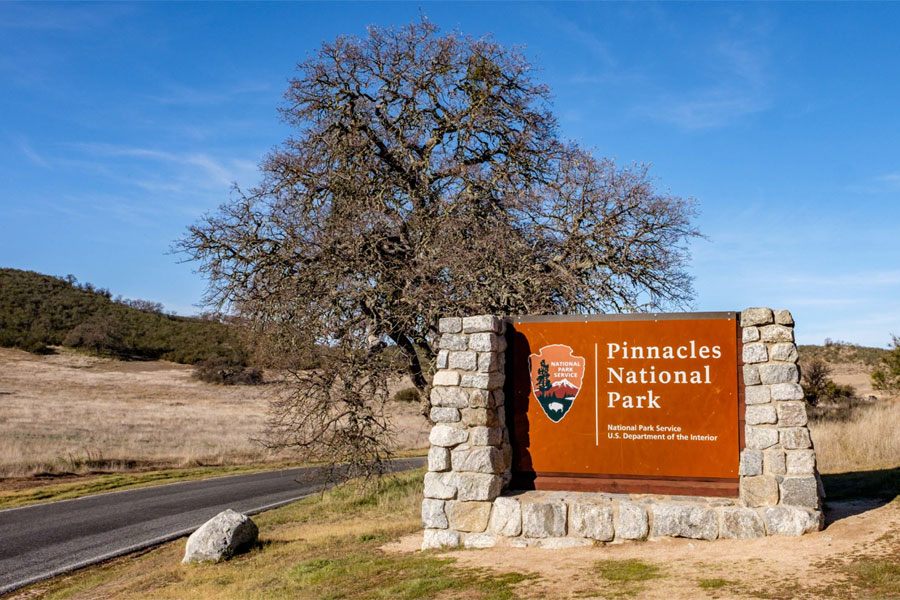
column 556, row 375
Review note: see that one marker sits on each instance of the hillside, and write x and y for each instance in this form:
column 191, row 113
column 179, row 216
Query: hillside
column 37, row 311
column 843, row 352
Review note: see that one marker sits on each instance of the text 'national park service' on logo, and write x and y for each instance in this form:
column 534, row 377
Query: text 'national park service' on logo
column 556, row 375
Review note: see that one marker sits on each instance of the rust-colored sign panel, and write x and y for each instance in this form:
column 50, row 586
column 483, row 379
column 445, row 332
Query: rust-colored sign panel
column 639, row 396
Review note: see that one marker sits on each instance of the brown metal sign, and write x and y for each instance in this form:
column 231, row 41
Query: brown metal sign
column 639, row 403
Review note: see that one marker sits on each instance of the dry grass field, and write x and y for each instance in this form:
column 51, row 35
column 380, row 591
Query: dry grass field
column 71, row 413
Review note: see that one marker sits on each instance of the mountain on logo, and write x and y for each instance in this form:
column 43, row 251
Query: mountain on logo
column 563, row 389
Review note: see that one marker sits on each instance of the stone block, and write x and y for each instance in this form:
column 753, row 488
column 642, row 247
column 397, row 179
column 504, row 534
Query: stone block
column 760, row 438
column 801, row 462
column 438, row 459
column 485, row 436
column 447, row 436
column 484, row 381
column 499, row 398
column 490, row 361
column 464, row 361
column 433, row 514
column 506, row 517
column 443, row 414
column 632, row 522
column 454, row 341
column 440, row 538
column 787, row 391
column 684, row 520
column 450, row 325
column 800, row 491
column 541, row 520
column 442, row 360
column 480, row 540
column 773, row 461
column 741, row 523
column 755, row 353
column 795, row 438
column 749, row 334
column 482, row 324
column 452, row 397
column 758, row 394
column 779, row 373
column 791, row 414
column 760, row 414
column 751, row 375
column 784, row 352
column 468, row 516
column 486, row 417
column 480, row 399
column 783, row 317
column 751, row 462
column 478, row 486
column 757, row 316
column 594, row 521
column 487, row 342
column 786, row 520
column 776, row 333
column 440, row 486
column 446, row 378
column 483, row 459
column 759, row 491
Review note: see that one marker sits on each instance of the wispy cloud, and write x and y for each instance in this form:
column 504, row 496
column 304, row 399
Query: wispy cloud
column 198, row 167
column 887, row 277
column 177, row 93
column 31, row 154
column 740, row 89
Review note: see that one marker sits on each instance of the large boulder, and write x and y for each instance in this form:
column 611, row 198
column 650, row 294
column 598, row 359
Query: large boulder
column 226, row 534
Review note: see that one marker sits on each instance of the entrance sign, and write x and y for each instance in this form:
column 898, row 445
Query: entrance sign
column 626, row 403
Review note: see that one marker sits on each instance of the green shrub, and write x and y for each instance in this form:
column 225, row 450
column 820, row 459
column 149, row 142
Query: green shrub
column 223, row 371
column 409, row 394
column 887, row 376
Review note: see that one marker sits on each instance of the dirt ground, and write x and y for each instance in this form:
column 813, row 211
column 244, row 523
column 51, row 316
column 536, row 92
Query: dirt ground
column 809, row 566
column 70, row 412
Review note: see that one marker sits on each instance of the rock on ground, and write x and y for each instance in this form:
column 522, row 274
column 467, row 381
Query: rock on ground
column 226, row 534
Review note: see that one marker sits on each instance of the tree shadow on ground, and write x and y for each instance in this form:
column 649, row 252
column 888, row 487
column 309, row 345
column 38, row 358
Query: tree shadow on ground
column 848, row 494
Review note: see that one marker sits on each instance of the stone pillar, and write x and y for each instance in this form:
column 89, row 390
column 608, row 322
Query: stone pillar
column 470, row 456
column 778, row 474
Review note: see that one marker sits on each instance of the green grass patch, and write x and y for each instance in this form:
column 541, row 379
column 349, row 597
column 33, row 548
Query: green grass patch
column 714, row 583
column 878, row 577
column 627, row 571
column 627, row 577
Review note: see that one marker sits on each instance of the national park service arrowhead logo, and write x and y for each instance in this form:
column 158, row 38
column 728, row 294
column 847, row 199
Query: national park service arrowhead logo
column 556, row 375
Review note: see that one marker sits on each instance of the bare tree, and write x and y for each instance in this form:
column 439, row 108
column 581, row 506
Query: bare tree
column 426, row 178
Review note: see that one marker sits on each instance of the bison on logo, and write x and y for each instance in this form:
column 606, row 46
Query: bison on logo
column 556, row 375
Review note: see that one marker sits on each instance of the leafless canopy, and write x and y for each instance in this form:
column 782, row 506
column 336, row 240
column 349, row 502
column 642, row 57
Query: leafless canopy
column 426, row 178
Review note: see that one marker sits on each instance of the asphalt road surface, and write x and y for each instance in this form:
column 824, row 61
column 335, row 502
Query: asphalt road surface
column 42, row 541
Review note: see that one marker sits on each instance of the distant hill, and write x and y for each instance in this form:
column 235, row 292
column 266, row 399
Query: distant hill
column 37, row 311
column 843, row 352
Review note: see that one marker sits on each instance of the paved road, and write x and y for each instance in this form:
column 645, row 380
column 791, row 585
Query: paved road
column 45, row 540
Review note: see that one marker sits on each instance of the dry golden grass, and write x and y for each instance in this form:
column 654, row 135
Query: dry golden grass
column 869, row 440
column 73, row 413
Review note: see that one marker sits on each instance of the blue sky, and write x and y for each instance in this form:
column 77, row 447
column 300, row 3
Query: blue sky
column 123, row 123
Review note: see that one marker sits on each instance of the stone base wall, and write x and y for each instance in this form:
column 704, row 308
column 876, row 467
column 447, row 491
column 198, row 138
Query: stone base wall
column 467, row 504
